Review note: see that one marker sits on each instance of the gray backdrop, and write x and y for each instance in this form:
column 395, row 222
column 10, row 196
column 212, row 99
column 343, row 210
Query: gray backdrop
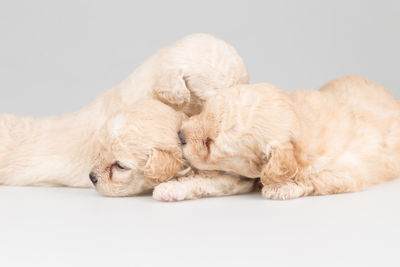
column 56, row 56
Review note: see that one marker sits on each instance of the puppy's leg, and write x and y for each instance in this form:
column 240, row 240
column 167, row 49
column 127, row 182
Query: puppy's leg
column 202, row 185
column 285, row 190
column 319, row 183
column 336, row 182
column 171, row 89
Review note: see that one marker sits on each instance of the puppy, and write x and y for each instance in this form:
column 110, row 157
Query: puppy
column 340, row 138
column 127, row 138
column 62, row 150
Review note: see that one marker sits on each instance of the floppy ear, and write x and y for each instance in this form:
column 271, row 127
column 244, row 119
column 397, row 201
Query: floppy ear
column 161, row 166
column 281, row 166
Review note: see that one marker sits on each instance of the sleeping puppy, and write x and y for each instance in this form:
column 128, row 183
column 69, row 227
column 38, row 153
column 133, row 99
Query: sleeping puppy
column 126, row 152
column 139, row 148
column 127, row 138
column 340, row 138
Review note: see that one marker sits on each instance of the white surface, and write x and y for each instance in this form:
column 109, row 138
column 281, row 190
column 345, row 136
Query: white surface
column 56, row 56
column 78, row 227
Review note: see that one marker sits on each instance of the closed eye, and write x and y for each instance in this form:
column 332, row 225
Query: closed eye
column 208, row 142
column 119, row 166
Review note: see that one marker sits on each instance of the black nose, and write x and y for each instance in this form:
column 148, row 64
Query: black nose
column 182, row 137
column 93, row 178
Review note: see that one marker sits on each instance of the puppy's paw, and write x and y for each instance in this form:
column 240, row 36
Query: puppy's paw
column 169, row 192
column 172, row 90
column 283, row 191
column 176, row 97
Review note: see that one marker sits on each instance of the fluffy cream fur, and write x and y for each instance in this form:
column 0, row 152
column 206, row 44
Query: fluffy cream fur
column 340, row 138
column 124, row 138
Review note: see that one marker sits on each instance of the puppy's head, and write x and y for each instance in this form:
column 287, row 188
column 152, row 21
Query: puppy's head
column 239, row 129
column 140, row 149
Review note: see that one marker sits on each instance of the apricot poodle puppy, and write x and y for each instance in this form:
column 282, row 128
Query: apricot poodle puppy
column 127, row 138
column 340, row 138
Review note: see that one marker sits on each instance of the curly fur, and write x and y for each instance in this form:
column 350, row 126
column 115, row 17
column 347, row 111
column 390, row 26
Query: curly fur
column 340, row 138
column 124, row 126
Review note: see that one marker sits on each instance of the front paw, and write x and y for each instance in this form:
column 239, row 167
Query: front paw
column 282, row 191
column 170, row 192
column 172, row 90
column 176, row 97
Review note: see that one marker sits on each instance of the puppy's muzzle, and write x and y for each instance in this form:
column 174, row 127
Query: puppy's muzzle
column 182, row 138
column 93, row 178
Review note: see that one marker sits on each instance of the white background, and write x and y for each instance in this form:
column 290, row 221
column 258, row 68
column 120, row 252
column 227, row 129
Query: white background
column 77, row 227
column 56, row 56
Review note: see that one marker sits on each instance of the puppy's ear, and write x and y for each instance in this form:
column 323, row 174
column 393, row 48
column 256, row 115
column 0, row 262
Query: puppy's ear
column 171, row 89
column 280, row 166
column 162, row 165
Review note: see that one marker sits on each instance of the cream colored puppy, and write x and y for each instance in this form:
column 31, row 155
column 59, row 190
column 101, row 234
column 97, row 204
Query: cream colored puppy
column 340, row 138
column 125, row 140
